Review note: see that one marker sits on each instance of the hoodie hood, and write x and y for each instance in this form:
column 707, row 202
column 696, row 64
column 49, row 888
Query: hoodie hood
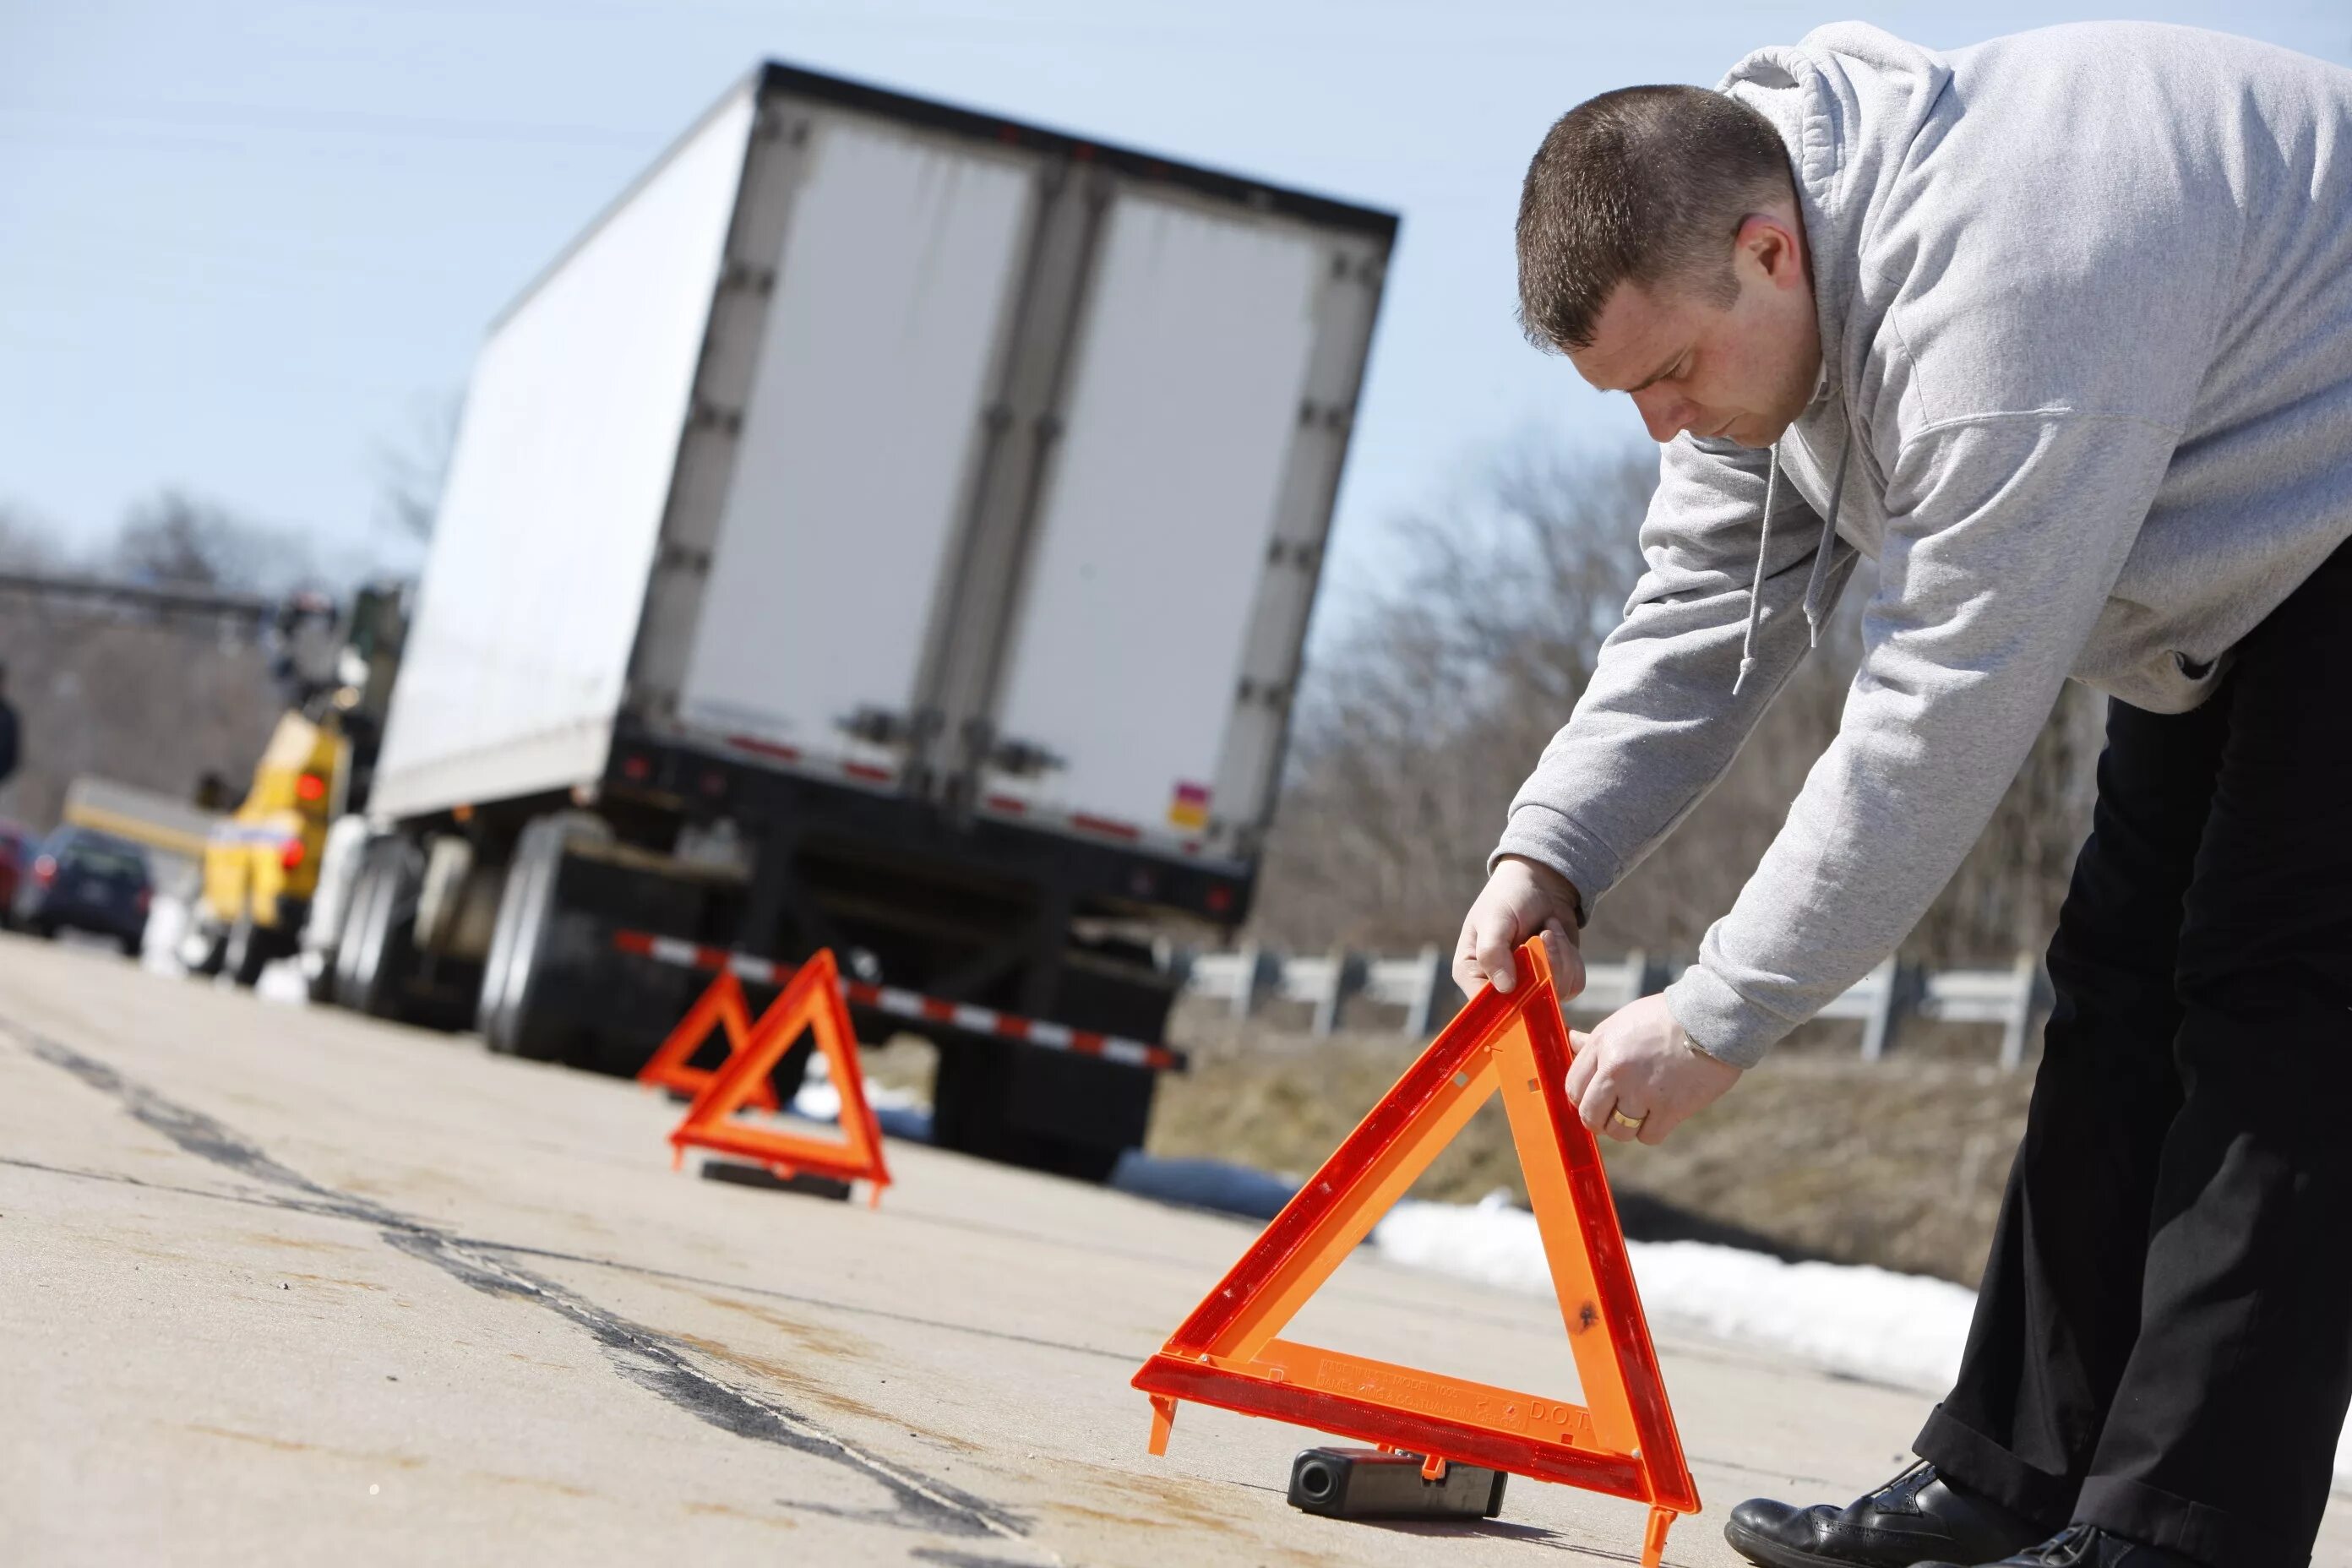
column 1849, row 102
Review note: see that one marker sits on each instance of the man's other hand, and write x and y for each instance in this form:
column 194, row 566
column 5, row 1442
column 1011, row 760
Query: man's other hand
column 1519, row 900
column 1639, row 1064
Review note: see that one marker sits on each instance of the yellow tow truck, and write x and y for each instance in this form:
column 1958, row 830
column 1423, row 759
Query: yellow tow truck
column 262, row 861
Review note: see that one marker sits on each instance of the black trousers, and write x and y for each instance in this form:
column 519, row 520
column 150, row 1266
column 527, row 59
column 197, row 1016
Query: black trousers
column 2163, row 1340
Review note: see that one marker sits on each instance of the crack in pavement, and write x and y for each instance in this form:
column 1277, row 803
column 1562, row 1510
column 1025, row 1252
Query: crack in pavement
column 330, row 1210
column 645, row 1358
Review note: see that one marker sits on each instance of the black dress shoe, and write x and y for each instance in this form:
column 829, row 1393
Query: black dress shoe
column 2082, row 1546
column 1915, row 1517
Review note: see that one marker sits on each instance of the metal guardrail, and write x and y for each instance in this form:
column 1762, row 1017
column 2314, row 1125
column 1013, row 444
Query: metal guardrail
column 1421, row 986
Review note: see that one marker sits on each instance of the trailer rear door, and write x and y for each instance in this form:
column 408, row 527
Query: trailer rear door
column 888, row 319
column 1155, row 528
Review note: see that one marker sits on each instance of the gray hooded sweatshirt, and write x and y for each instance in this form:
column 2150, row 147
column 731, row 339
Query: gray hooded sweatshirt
column 2086, row 303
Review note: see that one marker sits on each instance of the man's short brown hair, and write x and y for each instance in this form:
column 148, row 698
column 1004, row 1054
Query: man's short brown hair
column 1645, row 185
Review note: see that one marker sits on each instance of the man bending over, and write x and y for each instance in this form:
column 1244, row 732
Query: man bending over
column 2058, row 331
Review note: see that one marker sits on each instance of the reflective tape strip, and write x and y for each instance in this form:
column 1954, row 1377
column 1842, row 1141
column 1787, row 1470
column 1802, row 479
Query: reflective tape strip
column 744, row 966
column 760, row 748
column 901, row 1004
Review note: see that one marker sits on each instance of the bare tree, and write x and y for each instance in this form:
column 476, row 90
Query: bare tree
column 122, row 694
column 141, row 702
column 25, row 545
column 412, row 468
column 177, row 537
column 1415, row 729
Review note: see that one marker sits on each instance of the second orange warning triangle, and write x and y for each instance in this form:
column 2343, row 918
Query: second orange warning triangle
column 720, row 1007
column 811, row 1000
column 1621, row 1441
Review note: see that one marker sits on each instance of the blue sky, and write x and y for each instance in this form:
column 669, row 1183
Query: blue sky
column 243, row 246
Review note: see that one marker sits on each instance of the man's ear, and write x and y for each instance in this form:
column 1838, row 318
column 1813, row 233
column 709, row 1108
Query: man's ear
column 1768, row 242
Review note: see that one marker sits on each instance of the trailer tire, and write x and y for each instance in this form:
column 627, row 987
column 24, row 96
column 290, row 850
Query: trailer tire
column 320, row 945
column 514, row 1015
column 373, row 961
column 343, row 983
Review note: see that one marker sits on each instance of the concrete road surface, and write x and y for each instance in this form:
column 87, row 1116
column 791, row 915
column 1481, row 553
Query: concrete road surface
column 279, row 1285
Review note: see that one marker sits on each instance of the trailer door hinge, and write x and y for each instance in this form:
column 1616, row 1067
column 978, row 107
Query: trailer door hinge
column 1270, row 692
column 876, row 726
column 779, row 124
column 711, row 417
column 1024, row 759
column 749, row 277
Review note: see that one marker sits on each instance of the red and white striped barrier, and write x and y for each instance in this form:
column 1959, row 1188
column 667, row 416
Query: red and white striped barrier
column 908, row 1004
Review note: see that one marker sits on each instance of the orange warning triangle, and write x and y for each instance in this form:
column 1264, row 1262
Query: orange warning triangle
column 722, row 1006
column 1622, row 1441
column 811, row 1000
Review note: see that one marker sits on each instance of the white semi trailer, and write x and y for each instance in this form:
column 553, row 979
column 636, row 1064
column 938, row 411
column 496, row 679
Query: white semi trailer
column 888, row 527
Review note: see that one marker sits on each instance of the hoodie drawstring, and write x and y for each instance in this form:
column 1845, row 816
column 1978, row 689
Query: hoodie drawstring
column 1820, row 580
column 1816, row 584
column 1756, row 584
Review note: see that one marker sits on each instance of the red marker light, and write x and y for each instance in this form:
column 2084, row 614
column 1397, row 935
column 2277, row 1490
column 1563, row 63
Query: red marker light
column 45, row 869
column 1220, row 899
column 292, row 854
column 309, row 786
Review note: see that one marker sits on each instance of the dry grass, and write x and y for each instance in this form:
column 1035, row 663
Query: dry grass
column 1816, row 1153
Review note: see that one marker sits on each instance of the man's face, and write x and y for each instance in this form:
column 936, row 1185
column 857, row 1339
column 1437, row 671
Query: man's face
column 1742, row 371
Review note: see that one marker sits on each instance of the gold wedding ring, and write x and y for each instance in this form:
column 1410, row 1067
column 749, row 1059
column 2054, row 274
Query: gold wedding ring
column 1632, row 1122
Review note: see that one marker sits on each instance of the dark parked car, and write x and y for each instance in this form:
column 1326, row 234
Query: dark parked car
column 89, row 882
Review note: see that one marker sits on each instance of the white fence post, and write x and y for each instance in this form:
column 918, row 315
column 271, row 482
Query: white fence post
column 1244, row 992
column 1345, row 976
column 2026, row 973
column 1413, row 984
column 1432, row 976
column 1880, row 1025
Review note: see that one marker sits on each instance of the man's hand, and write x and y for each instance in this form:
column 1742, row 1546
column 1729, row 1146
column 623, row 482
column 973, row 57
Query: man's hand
column 1639, row 1063
column 1521, row 899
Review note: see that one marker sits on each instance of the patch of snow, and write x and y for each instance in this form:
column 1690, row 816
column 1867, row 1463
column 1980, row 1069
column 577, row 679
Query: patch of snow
column 283, row 982
column 167, row 928
column 1873, row 1324
column 170, row 943
column 902, row 1112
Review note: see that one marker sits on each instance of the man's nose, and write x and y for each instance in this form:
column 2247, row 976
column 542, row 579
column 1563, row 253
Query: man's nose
column 1667, row 415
